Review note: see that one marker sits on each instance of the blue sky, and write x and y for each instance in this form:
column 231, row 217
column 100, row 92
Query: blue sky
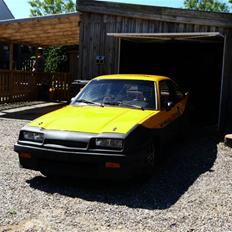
column 21, row 8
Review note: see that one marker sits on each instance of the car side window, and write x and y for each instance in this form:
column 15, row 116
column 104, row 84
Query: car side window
column 164, row 94
column 177, row 91
column 169, row 92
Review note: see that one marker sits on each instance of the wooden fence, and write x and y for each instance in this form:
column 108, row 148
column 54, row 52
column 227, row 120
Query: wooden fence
column 28, row 86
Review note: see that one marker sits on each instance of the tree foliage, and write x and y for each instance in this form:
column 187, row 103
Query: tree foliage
column 54, row 59
column 49, row 7
column 207, row 5
column 57, row 58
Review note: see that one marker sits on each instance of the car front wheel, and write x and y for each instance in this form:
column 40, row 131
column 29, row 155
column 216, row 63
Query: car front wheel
column 150, row 159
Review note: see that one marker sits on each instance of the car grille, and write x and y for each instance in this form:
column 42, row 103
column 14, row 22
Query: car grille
column 65, row 143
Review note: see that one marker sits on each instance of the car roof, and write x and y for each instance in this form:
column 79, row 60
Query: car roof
column 133, row 77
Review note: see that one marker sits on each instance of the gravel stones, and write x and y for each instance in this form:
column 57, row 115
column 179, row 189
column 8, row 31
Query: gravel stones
column 191, row 191
column 7, row 106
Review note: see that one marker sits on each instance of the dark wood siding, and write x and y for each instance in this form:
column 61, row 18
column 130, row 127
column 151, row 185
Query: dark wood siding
column 94, row 40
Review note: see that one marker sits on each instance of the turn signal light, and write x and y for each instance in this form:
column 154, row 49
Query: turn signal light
column 112, row 165
column 25, row 155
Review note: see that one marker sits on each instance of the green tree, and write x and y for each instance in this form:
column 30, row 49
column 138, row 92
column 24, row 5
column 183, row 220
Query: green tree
column 55, row 56
column 207, row 5
column 48, row 7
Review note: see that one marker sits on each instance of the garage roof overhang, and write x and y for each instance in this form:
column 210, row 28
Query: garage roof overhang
column 161, row 14
column 42, row 31
column 200, row 36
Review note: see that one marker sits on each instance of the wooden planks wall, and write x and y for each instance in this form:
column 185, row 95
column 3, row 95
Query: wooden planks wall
column 52, row 30
column 94, row 40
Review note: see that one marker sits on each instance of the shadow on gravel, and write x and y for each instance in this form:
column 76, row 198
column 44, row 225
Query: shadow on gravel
column 188, row 159
column 32, row 113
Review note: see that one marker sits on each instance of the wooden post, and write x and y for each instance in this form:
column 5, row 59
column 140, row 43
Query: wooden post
column 225, row 113
column 11, row 76
column 11, row 47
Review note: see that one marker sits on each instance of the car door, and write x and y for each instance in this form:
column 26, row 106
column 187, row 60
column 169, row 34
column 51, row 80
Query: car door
column 171, row 107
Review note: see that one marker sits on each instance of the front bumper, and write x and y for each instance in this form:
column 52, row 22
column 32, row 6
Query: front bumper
column 79, row 163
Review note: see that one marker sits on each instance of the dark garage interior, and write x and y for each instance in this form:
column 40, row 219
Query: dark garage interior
column 195, row 65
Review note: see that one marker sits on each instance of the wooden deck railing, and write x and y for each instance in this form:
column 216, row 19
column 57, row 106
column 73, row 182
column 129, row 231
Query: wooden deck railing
column 5, row 86
column 28, row 86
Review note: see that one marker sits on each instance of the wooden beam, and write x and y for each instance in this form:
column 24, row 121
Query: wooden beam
column 225, row 109
column 11, row 56
column 46, row 36
column 75, row 15
column 44, row 33
column 11, row 60
column 44, row 43
column 39, row 29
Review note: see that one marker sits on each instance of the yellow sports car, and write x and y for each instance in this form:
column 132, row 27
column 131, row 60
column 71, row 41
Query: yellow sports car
column 113, row 127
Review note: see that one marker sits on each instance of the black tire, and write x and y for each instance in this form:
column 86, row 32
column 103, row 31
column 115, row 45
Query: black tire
column 150, row 160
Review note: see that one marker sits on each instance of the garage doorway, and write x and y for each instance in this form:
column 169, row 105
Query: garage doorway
column 195, row 63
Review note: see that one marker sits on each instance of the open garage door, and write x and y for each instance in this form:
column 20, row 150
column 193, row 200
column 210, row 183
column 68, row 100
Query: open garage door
column 193, row 60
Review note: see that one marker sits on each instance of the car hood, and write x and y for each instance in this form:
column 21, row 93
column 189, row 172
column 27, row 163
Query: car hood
column 93, row 119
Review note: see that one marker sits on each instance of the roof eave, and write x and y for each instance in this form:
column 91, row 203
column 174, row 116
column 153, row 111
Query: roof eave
column 158, row 13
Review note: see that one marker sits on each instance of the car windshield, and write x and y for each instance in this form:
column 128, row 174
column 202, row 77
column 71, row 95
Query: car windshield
column 123, row 93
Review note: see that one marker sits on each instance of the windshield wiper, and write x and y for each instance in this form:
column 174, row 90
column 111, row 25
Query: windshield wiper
column 112, row 103
column 123, row 104
column 88, row 102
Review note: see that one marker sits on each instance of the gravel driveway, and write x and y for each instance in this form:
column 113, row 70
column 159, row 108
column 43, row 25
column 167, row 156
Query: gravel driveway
column 192, row 191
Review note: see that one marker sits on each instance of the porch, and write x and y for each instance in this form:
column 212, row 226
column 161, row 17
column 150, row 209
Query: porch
column 46, row 31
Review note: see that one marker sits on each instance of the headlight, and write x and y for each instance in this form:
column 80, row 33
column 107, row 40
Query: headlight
column 109, row 143
column 32, row 136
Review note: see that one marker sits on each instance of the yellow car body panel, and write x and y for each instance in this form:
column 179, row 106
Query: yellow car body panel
column 143, row 77
column 93, row 119
column 163, row 118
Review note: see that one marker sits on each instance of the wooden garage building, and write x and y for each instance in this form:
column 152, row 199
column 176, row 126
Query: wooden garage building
column 192, row 47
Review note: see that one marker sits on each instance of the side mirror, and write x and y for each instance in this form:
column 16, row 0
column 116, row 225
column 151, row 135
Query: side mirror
column 169, row 105
column 72, row 99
